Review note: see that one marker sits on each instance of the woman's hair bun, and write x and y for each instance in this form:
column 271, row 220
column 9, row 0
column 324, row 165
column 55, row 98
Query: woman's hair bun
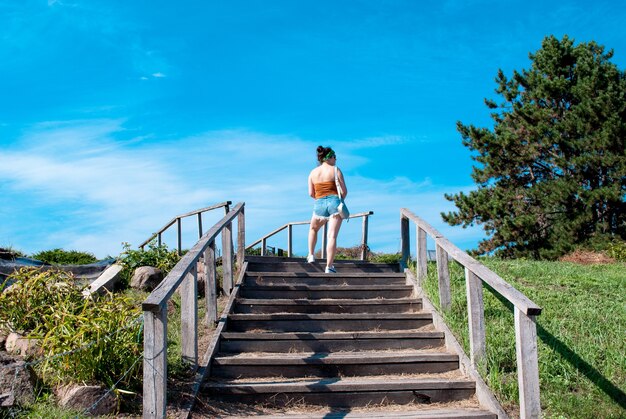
column 320, row 149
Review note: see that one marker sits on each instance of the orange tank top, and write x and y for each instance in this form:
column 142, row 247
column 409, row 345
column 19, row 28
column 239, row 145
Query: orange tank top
column 323, row 189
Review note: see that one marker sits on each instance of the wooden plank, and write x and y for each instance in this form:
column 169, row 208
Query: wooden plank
column 422, row 255
column 420, row 223
column 155, row 363
column 241, row 237
column 364, row 238
column 443, row 275
column 210, row 274
column 476, row 316
column 290, row 240
column 166, row 289
column 189, row 318
column 527, row 365
column 324, row 240
column 227, row 258
column 405, row 242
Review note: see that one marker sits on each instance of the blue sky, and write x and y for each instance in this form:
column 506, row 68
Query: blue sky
column 117, row 115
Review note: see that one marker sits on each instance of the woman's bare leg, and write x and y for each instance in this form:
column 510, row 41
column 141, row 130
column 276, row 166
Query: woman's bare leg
column 316, row 224
column 334, row 224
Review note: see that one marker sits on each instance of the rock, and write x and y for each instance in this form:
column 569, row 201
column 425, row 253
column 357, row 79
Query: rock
column 17, row 381
column 146, row 278
column 17, row 344
column 93, row 400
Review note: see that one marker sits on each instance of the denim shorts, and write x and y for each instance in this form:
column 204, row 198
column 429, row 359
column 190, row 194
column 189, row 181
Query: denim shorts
column 324, row 207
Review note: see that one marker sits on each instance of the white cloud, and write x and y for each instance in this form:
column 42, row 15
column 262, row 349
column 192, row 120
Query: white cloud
column 113, row 191
column 158, row 75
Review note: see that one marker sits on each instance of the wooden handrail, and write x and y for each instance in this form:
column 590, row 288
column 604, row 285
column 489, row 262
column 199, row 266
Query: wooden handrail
column 184, row 277
column 178, row 219
column 289, row 225
column 476, row 273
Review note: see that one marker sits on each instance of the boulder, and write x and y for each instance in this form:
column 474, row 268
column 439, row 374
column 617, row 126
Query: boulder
column 93, row 400
column 17, row 344
column 146, row 278
column 17, row 381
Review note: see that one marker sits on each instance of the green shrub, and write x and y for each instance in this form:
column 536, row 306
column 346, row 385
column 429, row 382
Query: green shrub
column 83, row 339
column 157, row 256
column 65, row 257
column 386, row 257
column 617, row 250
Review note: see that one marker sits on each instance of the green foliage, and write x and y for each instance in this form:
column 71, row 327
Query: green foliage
column 65, row 257
column 582, row 369
column 386, row 257
column 156, row 256
column 552, row 173
column 84, row 339
column 617, row 250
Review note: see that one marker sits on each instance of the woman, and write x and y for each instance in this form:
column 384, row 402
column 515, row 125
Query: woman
column 323, row 189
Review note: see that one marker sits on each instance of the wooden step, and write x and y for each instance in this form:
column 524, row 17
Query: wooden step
column 379, row 412
column 320, row 278
column 329, row 341
column 256, row 263
column 326, row 291
column 297, row 322
column 377, row 305
column 341, row 364
column 342, row 392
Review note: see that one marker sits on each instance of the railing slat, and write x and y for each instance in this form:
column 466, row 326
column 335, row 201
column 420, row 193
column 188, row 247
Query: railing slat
column 210, row 275
column 527, row 365
column 227, row 258
column 443, row 274
column 189, row 317
column 422, row 255
column 476, row 316
column 155, row 363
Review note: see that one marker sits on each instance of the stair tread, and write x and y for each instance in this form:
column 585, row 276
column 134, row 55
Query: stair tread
column 310, row 358
column 360, row 383
column 381, row 412
column 334, row 335
column 327, row 301
column 339, row 274
column 329, row 316
column 343, row 287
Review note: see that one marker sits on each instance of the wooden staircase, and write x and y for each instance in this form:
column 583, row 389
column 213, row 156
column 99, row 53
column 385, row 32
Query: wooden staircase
column 352, row 344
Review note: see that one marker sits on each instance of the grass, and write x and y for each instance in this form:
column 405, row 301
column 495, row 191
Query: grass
column 582, row 349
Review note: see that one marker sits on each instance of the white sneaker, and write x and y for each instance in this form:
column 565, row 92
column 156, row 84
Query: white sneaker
column 330, row 270
column 310, row 258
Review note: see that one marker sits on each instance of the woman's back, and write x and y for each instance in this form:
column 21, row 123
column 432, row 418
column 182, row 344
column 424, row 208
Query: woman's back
column 323, row 173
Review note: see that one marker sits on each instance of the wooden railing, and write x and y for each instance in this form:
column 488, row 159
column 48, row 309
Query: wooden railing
column 178, row 221
column 289, row 227
column 525, row 310
column 184, row 276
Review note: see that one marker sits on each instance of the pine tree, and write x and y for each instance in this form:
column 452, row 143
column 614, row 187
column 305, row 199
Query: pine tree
column 552, row 171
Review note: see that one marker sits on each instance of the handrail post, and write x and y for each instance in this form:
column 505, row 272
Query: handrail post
column 155, row 363
column 189, row 317
column 264, row 247
column 443, row 274
column 241, row 238
column 289, row 240
column 211, row 284
column 199, row 225
column 405, row 243
column 475, row 316
column 422, row 255
column 159, row 240
column 364, row 238
column 227, row 258
column 179, row 236
column 527, row 364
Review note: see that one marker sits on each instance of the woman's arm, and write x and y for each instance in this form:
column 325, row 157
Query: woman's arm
column 311, row 188
column 342, row 183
